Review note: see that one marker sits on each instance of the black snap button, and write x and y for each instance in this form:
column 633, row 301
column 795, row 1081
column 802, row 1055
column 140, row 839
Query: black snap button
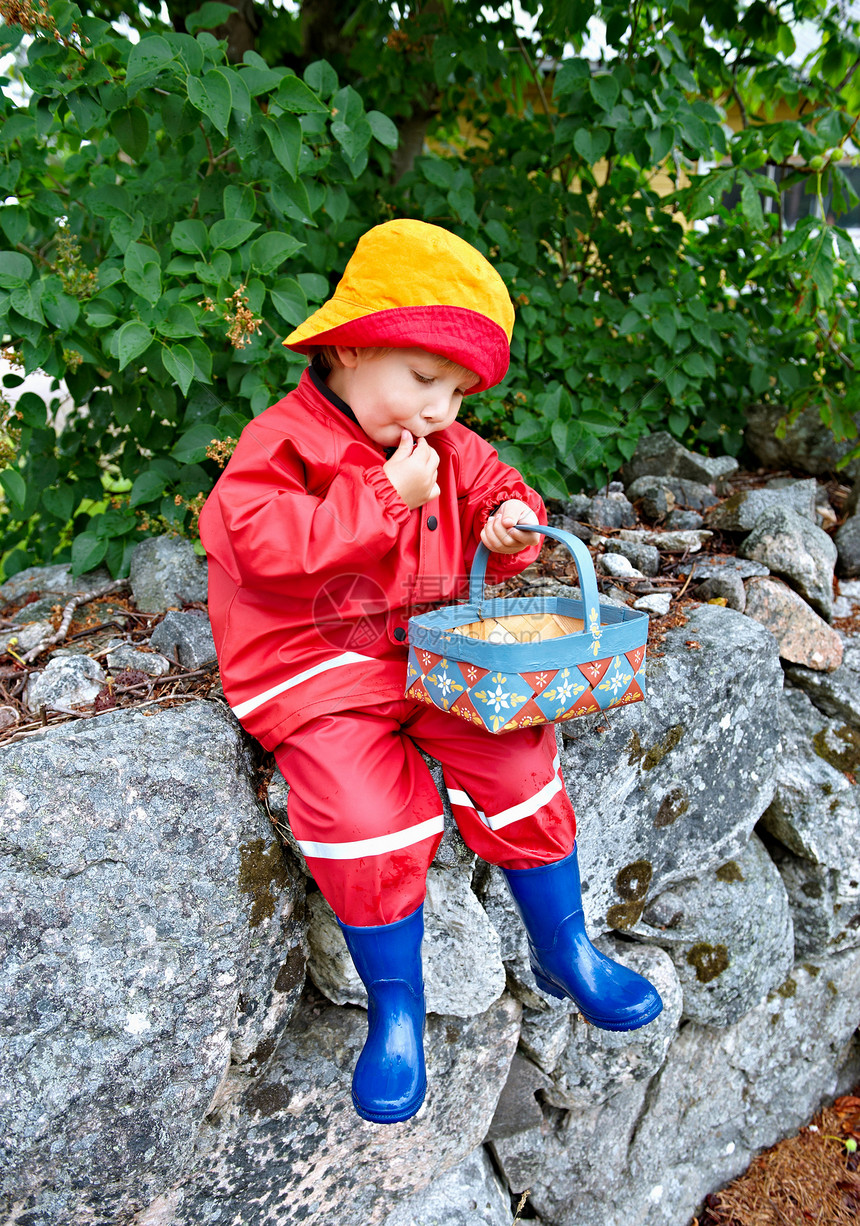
column 400, row 634
column 432, row 523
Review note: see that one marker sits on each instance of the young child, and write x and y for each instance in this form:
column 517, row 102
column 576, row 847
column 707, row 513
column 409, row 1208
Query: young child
column 345, row 507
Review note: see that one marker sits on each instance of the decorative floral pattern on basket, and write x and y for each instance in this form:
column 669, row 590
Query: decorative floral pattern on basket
column 503, row 702
column 529, row 677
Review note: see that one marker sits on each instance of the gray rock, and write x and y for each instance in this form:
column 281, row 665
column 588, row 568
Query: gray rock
column 847, row 540
column 644, row 557
column 649, row 1155
column 661, row 494
column 657, row 604
column 463, row 971
column 518, row 1109
column 836, row 693
column 55, row 581
column 616, row 565
column 729, row 934
column 290, row 1147
column 578, row 506
column 724, row 1095
column 718, row 566
column 611, row 510
column 30, row 635
column 596, row 1064
column 544, row 1035
column 133, row 924
column 65, row 680
column 793, row 547
column 682, row 521
column 661, row 455
column 728, row 587
column 574, row 1164
column 471, row 1194
column 191, row 633
column 806, row 447
column 674, row 785
column 825, row 903
column 126, row 656
column 165, row 573
column 740, row 512
column 815, row 818
column 802, row 636
column 668, row 542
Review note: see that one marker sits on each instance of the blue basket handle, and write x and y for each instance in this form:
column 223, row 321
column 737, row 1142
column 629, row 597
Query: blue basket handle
column 581, row 556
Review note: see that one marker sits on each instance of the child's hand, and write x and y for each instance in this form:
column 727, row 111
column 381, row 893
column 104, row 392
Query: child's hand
column 499, row 533
column 412, row 471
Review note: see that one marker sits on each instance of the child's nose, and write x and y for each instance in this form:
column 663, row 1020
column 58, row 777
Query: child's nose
column 438, row 407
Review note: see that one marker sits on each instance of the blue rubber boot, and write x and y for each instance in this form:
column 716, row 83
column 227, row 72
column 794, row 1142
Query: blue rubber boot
column 563, row 960
column 390, row 1080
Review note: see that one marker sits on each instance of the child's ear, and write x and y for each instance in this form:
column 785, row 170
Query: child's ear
column 347, row 356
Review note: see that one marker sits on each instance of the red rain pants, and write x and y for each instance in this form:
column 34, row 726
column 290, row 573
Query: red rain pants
column 365, row 811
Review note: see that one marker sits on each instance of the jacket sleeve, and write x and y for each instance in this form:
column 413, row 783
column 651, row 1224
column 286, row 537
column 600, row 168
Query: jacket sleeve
column 266, row 529
column 484, row 483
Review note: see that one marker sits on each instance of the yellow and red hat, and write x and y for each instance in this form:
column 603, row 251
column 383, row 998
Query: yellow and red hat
column 410, row 284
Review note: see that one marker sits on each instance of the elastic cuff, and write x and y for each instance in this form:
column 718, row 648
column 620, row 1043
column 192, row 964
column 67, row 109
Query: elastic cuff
column 378, row 481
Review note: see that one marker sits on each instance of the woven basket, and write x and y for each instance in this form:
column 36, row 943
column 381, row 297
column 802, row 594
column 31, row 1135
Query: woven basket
column 508, row 664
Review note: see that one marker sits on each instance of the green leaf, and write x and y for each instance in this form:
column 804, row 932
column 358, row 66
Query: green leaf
column 558, row 433
column 384, row 129
column 696, row 366
column 87, row 112
column 60, row 309
column 321, row 77
column 288, row 299
column 294, row 95
column 145, row 281
column 15, row 269
column 231, row 232
column 751, row 204
column 270, row 250
column 191, row 447
column 146, row 60
column 27, row 301
column 190, row 236
column 315, row 286
column 179, row 322
column 179, row 363
column 591, row 144
column 15, row 487
column 147, row 487
column 660, row 142
column 664, row 326
column 239, row 202
column 209, row 16
column 32, row 409
column 59, row 501
column 132, row 340
column 212, row 96
column 87, row 551
column 604, row 91
column 572, row 75
column 292, row 200
column 14, row 222
column 285, row 137
column 131, row 128
column 125, row 230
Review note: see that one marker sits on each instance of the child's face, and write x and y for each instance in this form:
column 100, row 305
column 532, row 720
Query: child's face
column 407, row 389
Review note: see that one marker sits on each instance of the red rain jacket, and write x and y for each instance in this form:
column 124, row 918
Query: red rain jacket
column 316, row 563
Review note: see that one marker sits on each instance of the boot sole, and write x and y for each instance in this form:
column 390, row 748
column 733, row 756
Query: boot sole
column 397, row 1116
column 633, row 1023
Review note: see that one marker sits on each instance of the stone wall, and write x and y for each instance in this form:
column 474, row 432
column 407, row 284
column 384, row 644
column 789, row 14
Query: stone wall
column 180, row 1018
